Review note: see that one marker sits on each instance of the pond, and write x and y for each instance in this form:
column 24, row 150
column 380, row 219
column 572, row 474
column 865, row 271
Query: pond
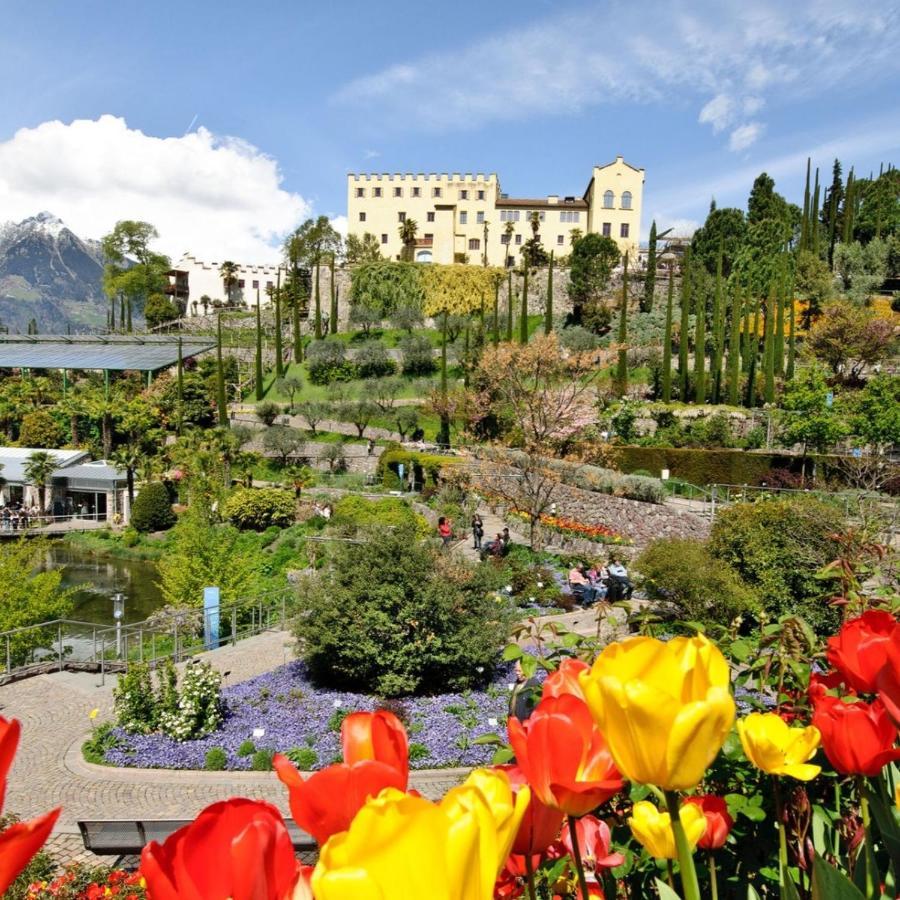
column 98, row 578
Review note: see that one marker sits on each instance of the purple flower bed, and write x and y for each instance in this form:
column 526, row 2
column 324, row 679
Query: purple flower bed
column 296, row 714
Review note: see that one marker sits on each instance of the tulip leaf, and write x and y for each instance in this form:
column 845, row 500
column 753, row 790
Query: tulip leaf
column 511, row 652
column 751, row 893
column 489, row 739
column 830, row 884
column 788, row 888
column 665, row 892
column 502, row 756
column 887, row 828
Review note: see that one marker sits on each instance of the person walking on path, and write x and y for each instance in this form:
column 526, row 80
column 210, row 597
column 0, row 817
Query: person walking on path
column 445, row 530
column 477, row 531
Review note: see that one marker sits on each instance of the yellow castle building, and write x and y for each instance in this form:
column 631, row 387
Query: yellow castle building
column 463, row 217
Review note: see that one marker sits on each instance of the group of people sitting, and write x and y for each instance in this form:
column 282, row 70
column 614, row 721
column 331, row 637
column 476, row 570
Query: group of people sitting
column 599, row 582
column 18, row 517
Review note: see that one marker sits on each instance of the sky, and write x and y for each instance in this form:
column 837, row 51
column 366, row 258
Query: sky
column 226, row 124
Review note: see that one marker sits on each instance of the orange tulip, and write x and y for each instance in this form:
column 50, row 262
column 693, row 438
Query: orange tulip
column 859, row 650
column 20, row 841
column 541, row 823
column 378, row 736
column 565, row 679
column 718, row 821
column 564, row 756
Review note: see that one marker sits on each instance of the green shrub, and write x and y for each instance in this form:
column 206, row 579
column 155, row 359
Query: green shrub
column 40, row 429
column 426, row 467
column 102, row 739
column 257, row 509
column 684, row 572
column 417, row 354
column 372, row 361
column 130, row 537
column 152, row 510
column 304, row 758
column 261, row 761
column 134, row 701
column 393, row 616
column 199, row 709
column 247, row 748
column 267, row 412
column 362, row 512
column 700, row 466
column 326, row 362
column 215, row 760
column 418, row 751
column 777, row 547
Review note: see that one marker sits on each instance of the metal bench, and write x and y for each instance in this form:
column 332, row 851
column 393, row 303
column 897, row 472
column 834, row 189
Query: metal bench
column 125, row 837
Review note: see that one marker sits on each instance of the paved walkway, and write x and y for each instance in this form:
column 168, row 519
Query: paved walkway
column 50, row 771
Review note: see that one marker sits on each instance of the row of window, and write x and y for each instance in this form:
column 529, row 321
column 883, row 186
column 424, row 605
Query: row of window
column 609, row 200
column 254, row 284
column 504, row 239
column 463, row 194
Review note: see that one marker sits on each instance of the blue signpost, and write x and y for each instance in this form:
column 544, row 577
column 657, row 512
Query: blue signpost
column 211, row 617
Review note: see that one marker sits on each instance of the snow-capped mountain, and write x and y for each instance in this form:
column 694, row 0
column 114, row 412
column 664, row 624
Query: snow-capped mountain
column 49, row 274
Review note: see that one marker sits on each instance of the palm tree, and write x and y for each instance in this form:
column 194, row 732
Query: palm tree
column 128, row 457
column 484, row 255
column 408, row 231
column 39, row 469
column 229, row 272
column 508, row 232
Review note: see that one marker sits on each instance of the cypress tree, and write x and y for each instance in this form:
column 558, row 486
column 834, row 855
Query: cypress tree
column 221, row 401
column 180, row 384
column 279, row 362
column 295, row 326
column 443, row 439
column 836, row 191
column 650, row 277
column 127, row 313
column 466, row 355
column 496, row 311
column 112, row 313
column 814, row 217
column 804, row 221
column 258, row 363
column 734, row 347
column 849, row 200
column 791, row 345
column 683, row 337
column 718, row 332
column 778, row 348
column 318, row 300
column 667, row 342
column 769, row 345
column 622, row 366
column 333, row 309
column 700, row 348
column 122, row 312
column 548, row 315
column 509, row 308
column 523, row 317
column 752, row 354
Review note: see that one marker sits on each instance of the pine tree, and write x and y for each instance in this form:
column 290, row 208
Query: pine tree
column 769, row 345
column 667, row 342
column 804, row 221
column 778, row 348
column 734, row 347
column 221, row 401
column 684, row 337
column 279, row 362
column 258, row 367
column 718, row 331
column 548, row 314
column 509, row 308
column 789, row 373
column 523, row 316
column 622, row 366
column 650, row 277
column 700, row 347
column 333, row 311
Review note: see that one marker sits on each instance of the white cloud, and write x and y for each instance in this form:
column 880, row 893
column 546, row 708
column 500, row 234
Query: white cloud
column 217, row 197
column 339, row 224
column 724, row 55
column 745, row 136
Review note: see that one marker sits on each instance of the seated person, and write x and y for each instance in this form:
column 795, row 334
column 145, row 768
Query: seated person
column 598, row 577
column 620, row 586
column 581, row 587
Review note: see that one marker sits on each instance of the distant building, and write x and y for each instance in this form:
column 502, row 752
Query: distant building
column 191, row 279
column 450, row 212
column 79, row 486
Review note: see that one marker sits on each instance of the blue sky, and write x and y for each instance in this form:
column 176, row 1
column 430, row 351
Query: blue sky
column 225, row 123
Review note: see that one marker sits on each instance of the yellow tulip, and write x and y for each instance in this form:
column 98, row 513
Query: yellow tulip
column 653, row 829
column 776, row 748
column 93, row 714
column 665, row 708
column 406, row 848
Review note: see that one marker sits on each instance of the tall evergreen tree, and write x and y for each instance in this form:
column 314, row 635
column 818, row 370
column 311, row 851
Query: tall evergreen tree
column 221, row 399
column 622, row 365
column 180, row 386
column 258, row 362
column 667, row 340
column 443, row 438
column 684, row 337
column 778, row 348
column 804, row 222
column 295, row 327
column 548, row 313
column 650, row 277
column 523, row 316
column 700, row 345
column 789, row 372
column 718, row 331
column 834, row 205
column 279, row 362
column 752, row 355
column 849, row 202
column 746, row 316
column 509, row 308
column 497, row 282
column 734, row 347
column 333, row 309
column 814, row 217
column 769, row 345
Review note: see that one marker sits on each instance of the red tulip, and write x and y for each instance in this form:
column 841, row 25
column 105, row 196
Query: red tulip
column 565, row 679
column 593, row 842
column 858, row 738
column 378, row 736
column 326, row 802
column 718, row 820
column 888, row 680
column 238, row 849
column 20, row 841
column 564, row 756
column 541, row 824
column 859, row 649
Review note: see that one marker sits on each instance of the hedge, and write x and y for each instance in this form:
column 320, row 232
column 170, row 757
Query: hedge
column 424, row 466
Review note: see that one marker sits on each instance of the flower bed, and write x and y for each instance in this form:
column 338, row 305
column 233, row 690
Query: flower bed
column 599, row 534
column 296, row 714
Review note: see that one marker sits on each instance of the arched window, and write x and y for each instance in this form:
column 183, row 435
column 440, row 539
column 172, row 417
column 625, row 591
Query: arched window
column 608, row 200
column 626, row 200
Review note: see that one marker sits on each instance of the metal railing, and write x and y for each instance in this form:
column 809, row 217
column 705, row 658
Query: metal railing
column 62, row 644
column 23, row 523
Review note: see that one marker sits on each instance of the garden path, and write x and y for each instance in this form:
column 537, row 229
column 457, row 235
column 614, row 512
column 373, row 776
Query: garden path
column 50, row 771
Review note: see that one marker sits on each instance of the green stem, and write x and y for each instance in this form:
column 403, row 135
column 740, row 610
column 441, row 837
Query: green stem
column 689, row 884
column 670, row 874
column 783, row 873
column 576, row 853
column 713, row 883
column 867, row 835
column 529, row 875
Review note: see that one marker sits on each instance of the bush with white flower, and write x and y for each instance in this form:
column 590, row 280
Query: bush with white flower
column 199, row 710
